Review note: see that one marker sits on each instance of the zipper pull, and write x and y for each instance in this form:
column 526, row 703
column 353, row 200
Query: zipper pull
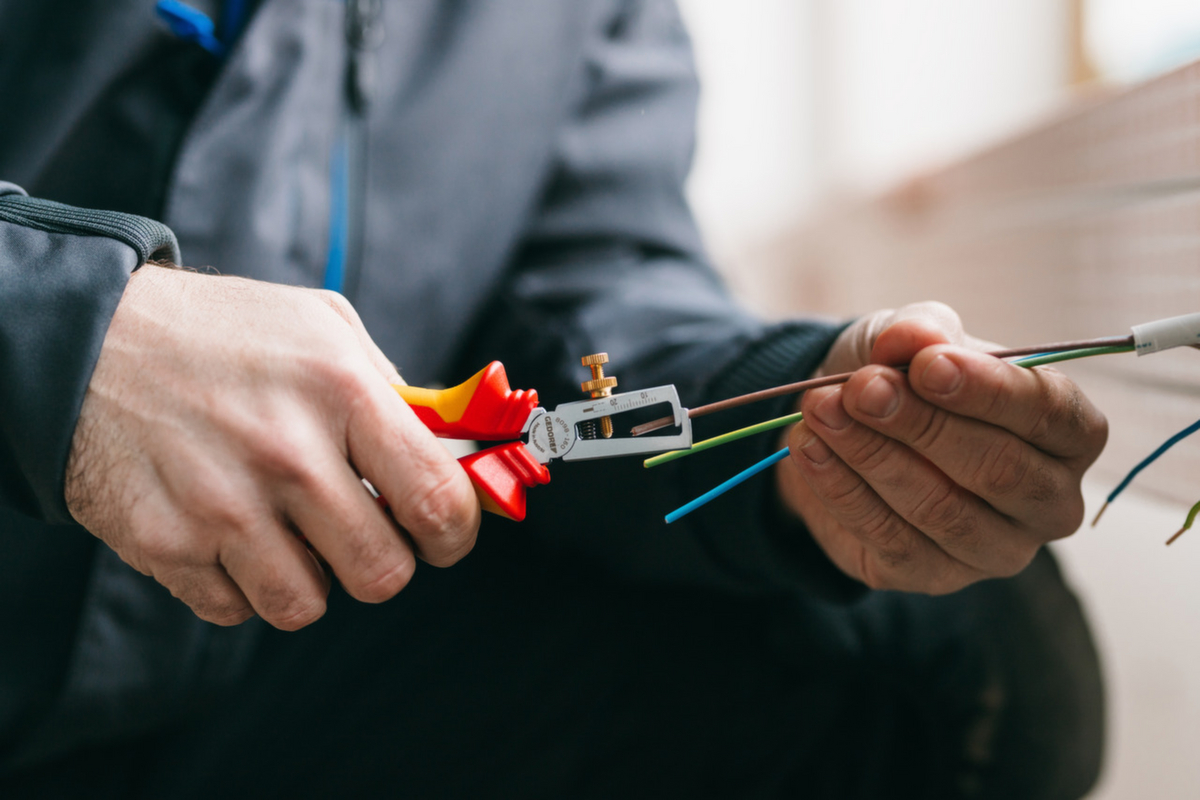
column 364, row 33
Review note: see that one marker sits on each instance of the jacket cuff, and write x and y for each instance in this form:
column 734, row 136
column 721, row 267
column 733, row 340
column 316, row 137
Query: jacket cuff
column 749, row 528
column 148, row 238
column 63, row 271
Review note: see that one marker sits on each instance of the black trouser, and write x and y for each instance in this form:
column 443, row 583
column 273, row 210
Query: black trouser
column 511, row 677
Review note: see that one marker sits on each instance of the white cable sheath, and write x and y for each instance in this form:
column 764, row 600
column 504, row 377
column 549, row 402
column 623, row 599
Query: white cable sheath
column 1163, row 334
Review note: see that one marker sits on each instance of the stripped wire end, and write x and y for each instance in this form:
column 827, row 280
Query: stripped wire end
column 1187, row 523
column 1100, row 513
column 1147, row 461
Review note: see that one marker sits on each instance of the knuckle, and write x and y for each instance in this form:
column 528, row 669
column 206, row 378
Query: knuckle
column 1042, row 486
column 374, row 563
column 446, row 511
column 160, row 547
column 1056, row 404
column 387, row 584
column 205, row 490
column 870, row 453
column 1088, row 424
column 944, row 511
column 872, row 574
column 951, row 580
column 1003, row 467
column 231, row 513
column 305, row 477
column 1071, row 411
column 1073, row 511
column 225, row 614
column 997, row 404
column 336, row 301
column 1015, row 563
column 845, row 492
column 1095, row 433
column 930, row 429
column 281, row 455
column 296, row 612
column 1069, row 515
column 210, row 598
column 1064, row 413
column 341, row 377
column 884, row 531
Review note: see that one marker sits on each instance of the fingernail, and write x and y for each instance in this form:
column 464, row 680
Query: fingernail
column 942, row 375
column 878, row 398
column 829, row 412
column 811, row 446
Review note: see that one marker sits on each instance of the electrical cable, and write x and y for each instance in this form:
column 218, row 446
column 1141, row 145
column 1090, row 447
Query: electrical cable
column 1070, row 355
column 1150, row 337
column 716, row 492
column 724, row 438
column 1145, row 462
column 779, row 422
column 1034, row 356
column 830, row 380
column 1187, row 523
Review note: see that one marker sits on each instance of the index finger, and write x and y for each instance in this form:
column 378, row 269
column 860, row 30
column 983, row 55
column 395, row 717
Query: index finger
column 429, row 492
column 1040, row 405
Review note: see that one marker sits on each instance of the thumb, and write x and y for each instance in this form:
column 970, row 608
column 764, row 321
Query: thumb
column 919, row 325
column 914, row 327
column 894, row 336
column 852, row 348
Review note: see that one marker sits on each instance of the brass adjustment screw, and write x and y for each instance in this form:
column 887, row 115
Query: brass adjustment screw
column 599, row 386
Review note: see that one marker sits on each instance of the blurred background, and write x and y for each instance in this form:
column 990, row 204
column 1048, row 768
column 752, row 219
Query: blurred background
column 1036, row 164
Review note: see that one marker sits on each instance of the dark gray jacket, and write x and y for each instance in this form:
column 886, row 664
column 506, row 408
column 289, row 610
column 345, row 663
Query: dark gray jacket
column 518, row 198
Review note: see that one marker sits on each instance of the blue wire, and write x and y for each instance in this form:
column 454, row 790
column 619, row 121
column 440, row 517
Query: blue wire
column 712, row 494
column 1148, row 460
column 1035, row 355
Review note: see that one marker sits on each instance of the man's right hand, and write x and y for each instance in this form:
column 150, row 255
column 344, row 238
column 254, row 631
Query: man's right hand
column 227, row 415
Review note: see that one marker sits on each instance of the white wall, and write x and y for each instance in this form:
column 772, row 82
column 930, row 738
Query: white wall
column 801, row 98
column 920, row 82
column 1130, row 40
column 754, row 170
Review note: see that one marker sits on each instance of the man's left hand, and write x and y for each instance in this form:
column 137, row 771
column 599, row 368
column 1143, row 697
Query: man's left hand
column 957, row 471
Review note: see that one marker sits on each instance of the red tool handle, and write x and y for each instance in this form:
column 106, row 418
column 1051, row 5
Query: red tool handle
column 501, row 475
column 485, row 408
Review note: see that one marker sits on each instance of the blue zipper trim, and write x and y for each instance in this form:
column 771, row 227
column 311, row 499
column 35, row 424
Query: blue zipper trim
column 339, row 208
column 233, row 16
column 193, row 25
column 339, row 214
column 190, row 25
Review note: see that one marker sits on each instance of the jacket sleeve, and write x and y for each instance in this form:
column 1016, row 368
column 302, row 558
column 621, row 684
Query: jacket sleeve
column 62, row 273
column 612, row 262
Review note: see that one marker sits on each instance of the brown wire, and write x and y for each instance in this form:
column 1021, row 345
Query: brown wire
column 830, row 380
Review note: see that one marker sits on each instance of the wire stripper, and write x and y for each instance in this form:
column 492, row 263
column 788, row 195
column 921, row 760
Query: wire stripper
column 485, row 408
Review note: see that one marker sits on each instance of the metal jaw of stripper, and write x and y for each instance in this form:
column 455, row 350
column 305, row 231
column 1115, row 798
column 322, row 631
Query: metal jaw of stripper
column 549, row 435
